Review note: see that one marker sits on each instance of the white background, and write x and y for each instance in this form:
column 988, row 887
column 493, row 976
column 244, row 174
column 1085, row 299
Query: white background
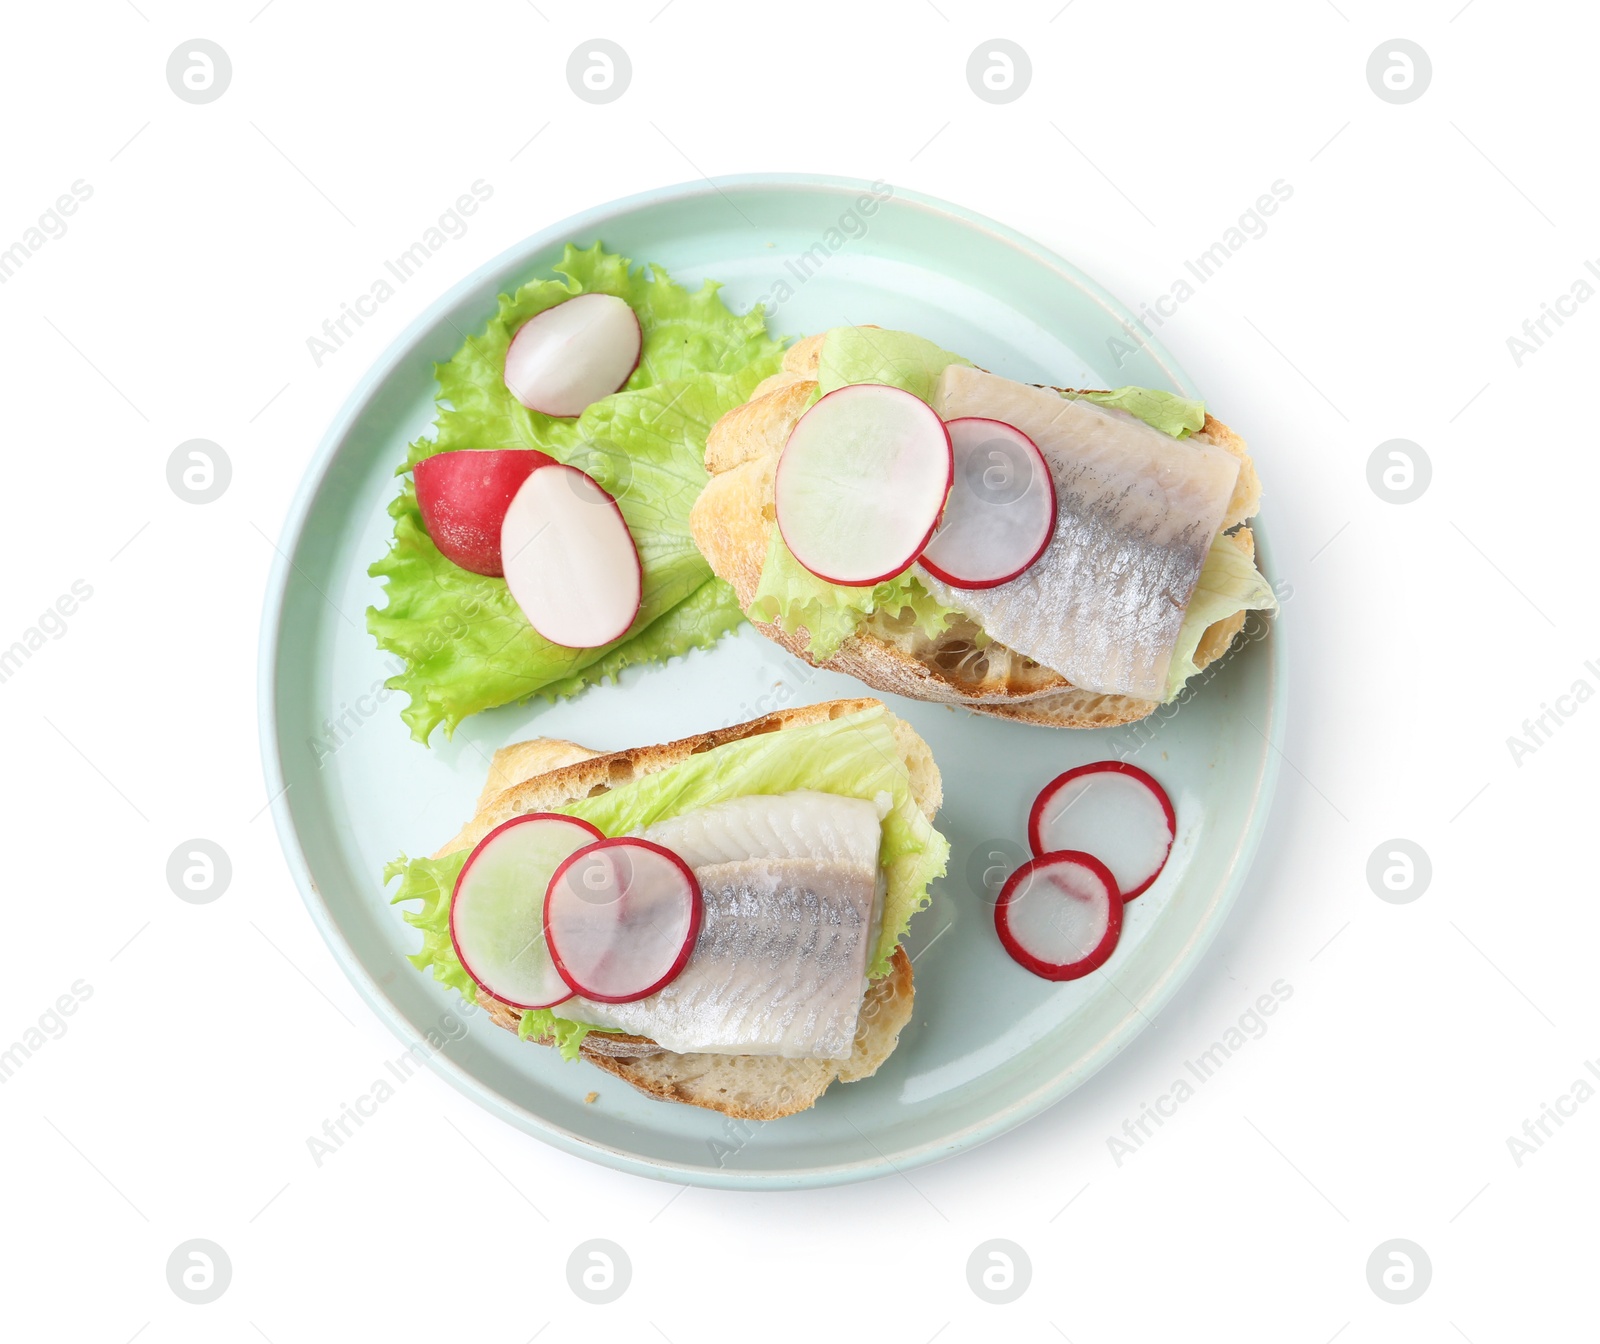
column 1419, row 1036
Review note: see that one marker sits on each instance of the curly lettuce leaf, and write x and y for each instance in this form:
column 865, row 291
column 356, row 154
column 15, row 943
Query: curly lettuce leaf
column 791, row 597
column 856, row 756
column 697, row 622
column 567, row 1035
column 464, row 642
column 1167, row 411
column 1229, row 583
column 872, row 355
column 431, row 881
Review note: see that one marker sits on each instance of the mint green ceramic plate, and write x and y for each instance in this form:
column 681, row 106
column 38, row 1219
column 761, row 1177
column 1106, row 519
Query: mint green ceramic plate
column 990, row 1045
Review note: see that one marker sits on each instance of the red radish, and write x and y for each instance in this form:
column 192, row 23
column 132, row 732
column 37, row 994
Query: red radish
column 1002, row 509
column 621, row 918
column 497, row 907
column 568, row 357
column 570, row 560
column 1116, row 812
column 464, row 495
column 1060, row 915
column 861, row 483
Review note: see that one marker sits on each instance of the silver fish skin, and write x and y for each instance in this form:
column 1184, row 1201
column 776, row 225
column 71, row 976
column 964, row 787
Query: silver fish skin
column 802, row 824
column 1137, row 512
column 792, row 898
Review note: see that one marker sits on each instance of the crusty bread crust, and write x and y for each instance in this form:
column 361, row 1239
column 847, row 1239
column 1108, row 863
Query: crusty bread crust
column 544, row 773
column 749, row 1087
column 732, row 523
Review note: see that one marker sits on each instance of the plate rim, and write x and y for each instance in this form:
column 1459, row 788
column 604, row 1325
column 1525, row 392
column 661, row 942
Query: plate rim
column 1051, row 1090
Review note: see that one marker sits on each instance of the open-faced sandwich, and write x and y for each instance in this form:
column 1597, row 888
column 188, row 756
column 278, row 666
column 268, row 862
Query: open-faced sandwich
column 541, row 533
column 884, row 508
column 716, row 921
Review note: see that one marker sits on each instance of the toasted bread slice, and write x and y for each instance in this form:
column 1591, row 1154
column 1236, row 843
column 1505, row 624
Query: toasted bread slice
column 732, row 522
column 538, row 775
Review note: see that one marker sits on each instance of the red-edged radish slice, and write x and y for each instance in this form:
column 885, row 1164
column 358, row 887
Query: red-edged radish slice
column 497, row 907
column 1116, row 812
column 861, row 483
column 621, row 917
column 1002, row 509
column 568, row 357
column 1060, row 915
column 570, row 560
column 463, row 497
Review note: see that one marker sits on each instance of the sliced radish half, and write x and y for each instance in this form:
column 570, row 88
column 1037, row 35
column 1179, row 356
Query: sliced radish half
column 861, row 483
column 497, row 907
column 1060, row 915
column 621, row 918
column 463, row 496
column 1002, row 509
column 570, row 560
column 1116, row 812
column 568, row 357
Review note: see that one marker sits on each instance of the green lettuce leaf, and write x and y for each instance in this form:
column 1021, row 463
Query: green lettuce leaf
column 697, row 622
column 1229, row 583
column 1166, row 411
column 464, row 642
column 791, row 597
column 567, row 1035
column 431, row 881
column 855, row 756
column 872, row 355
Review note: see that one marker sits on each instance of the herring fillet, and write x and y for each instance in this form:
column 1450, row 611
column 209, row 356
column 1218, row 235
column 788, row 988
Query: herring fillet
column 801, row 824
column 791, row 890
column 1137, row 512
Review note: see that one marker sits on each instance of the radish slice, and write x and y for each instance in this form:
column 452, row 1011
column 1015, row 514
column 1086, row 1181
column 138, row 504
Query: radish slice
column 621, row 918
column 568, row 357
column 463, row 496
column 1116, row 812
column 1060, row 915
column 861, row 483
column 570, row 560
column 497, row 907
column 1002, row 509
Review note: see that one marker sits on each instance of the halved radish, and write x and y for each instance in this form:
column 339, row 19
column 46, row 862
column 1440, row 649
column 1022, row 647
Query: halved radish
column 1060, row 915
column 1115, row 811
column 463, row 496
column 861, row 483
column 570, row 560
column 497, row 907
column 1002, row 509
column 621, row 917
column 569, row 356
